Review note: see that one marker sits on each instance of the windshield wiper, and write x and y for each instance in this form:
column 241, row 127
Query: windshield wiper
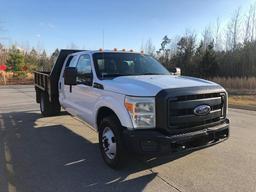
column 106, row 75
column 114, row 74
column 151, row 74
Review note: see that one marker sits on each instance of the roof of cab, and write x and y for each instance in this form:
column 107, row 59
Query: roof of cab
column 105, row 51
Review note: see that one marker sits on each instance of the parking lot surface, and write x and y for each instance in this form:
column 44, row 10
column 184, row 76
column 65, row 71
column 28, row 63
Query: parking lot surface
column 60, row 154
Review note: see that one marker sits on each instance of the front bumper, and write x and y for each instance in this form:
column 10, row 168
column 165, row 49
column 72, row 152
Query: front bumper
column 153, row 142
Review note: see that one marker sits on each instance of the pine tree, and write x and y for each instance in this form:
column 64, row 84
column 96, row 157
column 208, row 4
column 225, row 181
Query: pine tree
column 44, row 62
column 31, row 60
column 164, row 51
column 15, row 61
column 209, row 65
column 185, row 53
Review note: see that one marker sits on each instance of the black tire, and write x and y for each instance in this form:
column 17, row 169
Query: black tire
column 112, row 123
column 48, row 109
column 56, row 108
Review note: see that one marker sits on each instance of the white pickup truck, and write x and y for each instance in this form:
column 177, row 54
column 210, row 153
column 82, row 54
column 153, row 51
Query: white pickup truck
column 134, row 103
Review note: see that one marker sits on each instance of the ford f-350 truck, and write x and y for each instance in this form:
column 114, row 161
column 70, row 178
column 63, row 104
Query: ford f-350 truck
column 134, row 103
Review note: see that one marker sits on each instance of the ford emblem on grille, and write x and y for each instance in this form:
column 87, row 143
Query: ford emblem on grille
column 202, row 110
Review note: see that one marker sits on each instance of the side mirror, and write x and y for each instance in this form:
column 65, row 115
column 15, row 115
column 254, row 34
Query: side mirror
column 174, row 70
column 70, row 74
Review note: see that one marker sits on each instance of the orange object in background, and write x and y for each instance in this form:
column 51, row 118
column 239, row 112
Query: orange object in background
column 25, row 68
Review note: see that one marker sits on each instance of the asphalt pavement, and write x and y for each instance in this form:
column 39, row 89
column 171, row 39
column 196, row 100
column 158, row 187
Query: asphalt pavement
column 60, row 154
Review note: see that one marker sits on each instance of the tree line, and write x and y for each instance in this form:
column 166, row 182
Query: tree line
column 223, row 50
column 17, row 59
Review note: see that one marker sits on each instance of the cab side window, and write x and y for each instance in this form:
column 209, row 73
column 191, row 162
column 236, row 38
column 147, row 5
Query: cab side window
column 71, row 62
column 84, row 70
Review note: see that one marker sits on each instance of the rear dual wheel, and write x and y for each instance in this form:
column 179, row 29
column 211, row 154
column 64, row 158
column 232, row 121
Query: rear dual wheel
column 46, row 107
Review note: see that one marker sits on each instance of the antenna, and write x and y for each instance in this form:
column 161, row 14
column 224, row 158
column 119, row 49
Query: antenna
column 103, row 39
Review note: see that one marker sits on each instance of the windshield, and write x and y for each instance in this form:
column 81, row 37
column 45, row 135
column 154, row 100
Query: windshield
column 110, row 65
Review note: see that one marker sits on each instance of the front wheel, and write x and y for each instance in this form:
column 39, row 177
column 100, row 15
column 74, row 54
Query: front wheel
column 110, row 142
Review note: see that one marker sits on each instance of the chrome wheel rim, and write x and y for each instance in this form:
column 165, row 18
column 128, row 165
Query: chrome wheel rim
column 109, row 143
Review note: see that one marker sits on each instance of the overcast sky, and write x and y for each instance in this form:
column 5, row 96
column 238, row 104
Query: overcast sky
column 126, row 24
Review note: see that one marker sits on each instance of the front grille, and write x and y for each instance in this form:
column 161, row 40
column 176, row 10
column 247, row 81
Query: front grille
column 199, row 96
column 181, row 110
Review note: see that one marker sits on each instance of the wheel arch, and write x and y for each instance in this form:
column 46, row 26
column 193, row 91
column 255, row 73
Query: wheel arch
column 105, row 111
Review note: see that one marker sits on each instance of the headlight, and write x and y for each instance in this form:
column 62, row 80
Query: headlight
column 142, row 111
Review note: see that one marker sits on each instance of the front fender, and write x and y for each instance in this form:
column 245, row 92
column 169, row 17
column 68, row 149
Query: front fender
column 116, row 104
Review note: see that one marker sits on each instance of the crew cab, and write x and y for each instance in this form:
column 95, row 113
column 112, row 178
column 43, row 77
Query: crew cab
column 134, row 103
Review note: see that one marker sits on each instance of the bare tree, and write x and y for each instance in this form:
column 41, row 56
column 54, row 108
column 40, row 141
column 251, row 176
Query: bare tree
column 218, row 40
column 3, row 50
column 236, row 28
column 250, row 23
column 207, row 37
column 232, row 35
column 253, row 21
column 248, row 26
column 149, row 48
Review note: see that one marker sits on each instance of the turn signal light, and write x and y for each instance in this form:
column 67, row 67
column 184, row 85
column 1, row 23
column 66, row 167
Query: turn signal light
column 129, row 106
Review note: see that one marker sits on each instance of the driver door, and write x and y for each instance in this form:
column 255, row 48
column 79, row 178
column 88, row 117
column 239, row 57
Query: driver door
column 83, row 94
column 66, row 97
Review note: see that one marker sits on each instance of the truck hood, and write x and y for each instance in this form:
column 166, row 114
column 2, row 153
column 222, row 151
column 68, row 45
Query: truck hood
column 150, row 85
